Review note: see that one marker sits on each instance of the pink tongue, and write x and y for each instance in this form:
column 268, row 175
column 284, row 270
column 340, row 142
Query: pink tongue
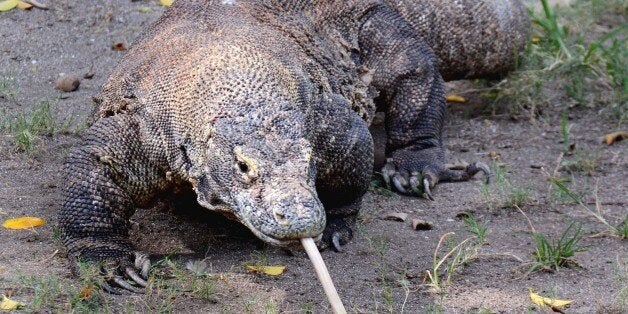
column 323, row 275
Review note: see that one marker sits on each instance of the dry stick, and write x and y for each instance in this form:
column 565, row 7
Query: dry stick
column 323, row 275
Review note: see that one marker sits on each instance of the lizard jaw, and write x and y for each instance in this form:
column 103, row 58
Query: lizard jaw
column 284, row 243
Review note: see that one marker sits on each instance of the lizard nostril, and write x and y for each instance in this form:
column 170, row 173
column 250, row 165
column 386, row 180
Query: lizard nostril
column 280, row 217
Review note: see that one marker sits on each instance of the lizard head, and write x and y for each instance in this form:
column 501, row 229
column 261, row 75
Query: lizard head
column 260, row 169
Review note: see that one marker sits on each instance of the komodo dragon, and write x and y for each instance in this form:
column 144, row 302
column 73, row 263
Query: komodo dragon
column 263, row 108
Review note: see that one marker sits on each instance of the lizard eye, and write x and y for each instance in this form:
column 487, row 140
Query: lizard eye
column 243, row 167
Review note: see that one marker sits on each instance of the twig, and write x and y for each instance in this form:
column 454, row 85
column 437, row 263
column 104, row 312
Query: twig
column 528, row 219
column 45, row 260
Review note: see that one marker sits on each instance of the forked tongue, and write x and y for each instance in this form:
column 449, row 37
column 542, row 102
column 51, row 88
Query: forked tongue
column 323, row 275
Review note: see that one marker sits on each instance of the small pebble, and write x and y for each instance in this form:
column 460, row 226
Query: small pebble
column 67, row 83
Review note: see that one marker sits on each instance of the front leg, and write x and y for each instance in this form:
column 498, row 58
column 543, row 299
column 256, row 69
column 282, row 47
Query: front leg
column 106, row 177
column 344, row 165
column 412, row 93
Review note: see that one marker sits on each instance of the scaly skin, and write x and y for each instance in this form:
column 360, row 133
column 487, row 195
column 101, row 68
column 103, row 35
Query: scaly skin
column 262, row 108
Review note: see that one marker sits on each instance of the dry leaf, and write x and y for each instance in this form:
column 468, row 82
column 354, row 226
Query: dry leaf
column 23, row 223
column 615, row 137
column 37, row 4
column 8, row 5
column 24, row 5
column 536, row 39
column 419, row 224
column 455, row 98
column 543, row 301
column 396, row 216
column 268, row 270
column 166, row 3
column 9, row 305
column 118, row 47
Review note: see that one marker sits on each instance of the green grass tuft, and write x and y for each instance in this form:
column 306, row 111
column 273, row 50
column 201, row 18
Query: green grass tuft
column 590, row 67
column 554, row 254
column 26, row 128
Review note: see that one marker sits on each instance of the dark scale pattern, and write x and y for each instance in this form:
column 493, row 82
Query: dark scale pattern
column 263, row 108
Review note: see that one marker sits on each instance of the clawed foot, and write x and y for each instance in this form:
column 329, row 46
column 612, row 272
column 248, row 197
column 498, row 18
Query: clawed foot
column 122, row 277
column 421, row 181
column 337, row 233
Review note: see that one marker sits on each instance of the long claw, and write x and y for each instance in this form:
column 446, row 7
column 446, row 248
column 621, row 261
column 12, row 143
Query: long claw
column 335, row 241
column 426, row 189
column 109, row 289
column 485, row 169
column 123, row 284
column 136, row 278
column 145, row 269
column 142, row 262
column 387, row 172
column 397, row 182
column 414, row 184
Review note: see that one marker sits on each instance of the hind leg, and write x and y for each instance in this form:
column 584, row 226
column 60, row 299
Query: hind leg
column 344, row 168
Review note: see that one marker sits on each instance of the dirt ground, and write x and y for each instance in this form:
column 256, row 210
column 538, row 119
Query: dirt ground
column 381, row 270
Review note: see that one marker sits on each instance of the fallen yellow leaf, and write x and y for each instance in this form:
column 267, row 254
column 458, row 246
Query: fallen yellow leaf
column 536, row 40
column 23, row 223
column 166, row 3
column 24, row 5
column 615, row 136
column 8, row 5
column 268, row 270
column 455, row 98
column 9, row 305
column 543, row 301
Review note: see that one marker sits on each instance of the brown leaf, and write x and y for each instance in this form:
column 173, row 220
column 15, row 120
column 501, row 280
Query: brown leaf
column 455, row 98
column 419, row 224
column 396, row 216
column 24, row 5
column 493, row 155
column 611, row 138
column 118, row 47
column 37, row 4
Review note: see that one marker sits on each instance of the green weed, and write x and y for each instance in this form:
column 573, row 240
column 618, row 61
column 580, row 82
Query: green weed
column 501, row 193
column 249, row 304
column 307, row 308
column 618, row 231
column 455, row 257
column 379, row 187
column 475, row 227
column 46, row 290
column 8, row 87
column 26, row 128
column 588, row 68
column 564, row 129
column 554, row 254
column 271, row 307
